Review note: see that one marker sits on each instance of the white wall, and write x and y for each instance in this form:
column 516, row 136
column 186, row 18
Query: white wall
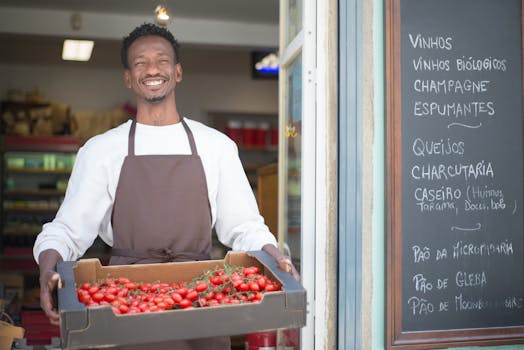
column 214, row 80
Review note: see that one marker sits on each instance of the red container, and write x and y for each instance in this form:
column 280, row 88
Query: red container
column 262, row 135
column 38, row 329
column 273, row 137
column 261, row 340
column 291, row 338
column 249, row 134
column 234, row 131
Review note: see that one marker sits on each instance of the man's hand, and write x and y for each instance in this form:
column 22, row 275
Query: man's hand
column 48, row 284
column 283, row 261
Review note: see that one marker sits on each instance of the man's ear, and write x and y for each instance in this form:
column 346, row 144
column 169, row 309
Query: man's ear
column 127, row 78
column 178, row 72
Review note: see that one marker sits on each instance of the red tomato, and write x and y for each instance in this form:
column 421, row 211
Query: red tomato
column 85, row 298
column 185, row 303
column 112, row 290
column 219, row 297
column 123, row 280
column 161, row 305
column 109, row 297
column 97, row 297
column 123, row 292
column 131, row 286
column 192, row 295
column 182, row 291
column 200, row 287
column 216, row 280
column 261, row 282
column 244, row 287
column 145, row 287
column 93, row 289
column 213, row 302
column 177, row 298
column 169, row 301
column 270, row 287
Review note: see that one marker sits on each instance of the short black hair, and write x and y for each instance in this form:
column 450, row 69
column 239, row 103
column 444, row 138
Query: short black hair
column 143, row 30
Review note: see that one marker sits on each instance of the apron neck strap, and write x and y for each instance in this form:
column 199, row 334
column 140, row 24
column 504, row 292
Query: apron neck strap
column 131, row 141
column 190, row 138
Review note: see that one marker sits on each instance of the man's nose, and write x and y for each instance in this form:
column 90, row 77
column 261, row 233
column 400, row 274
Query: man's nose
column 152, row 68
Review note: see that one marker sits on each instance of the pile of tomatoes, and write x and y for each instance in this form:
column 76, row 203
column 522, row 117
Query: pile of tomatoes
column 221, row 286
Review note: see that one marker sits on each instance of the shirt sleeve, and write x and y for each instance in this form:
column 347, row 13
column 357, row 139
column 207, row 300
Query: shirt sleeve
column 239, row 224
column 87, row 204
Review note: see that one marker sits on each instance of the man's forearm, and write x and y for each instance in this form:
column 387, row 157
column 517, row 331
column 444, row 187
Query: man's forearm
column 273, row 251
column 48, row 259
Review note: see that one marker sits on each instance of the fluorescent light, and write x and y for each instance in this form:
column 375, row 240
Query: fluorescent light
column 77, row 50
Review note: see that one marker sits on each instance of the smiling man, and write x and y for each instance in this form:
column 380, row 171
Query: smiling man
column 154, row 187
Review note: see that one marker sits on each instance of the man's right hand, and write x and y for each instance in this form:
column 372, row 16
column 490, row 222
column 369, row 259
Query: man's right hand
column 48, row 284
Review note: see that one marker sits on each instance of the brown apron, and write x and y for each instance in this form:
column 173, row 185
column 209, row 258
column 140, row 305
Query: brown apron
column 161, row 213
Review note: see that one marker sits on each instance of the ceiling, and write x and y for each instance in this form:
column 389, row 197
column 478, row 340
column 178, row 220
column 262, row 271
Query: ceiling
column 259, row 11
column 204, row 24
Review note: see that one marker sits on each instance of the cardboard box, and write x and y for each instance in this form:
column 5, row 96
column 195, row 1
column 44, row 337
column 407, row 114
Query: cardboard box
column 8, row 333
column 95, row 327
column 13, row 286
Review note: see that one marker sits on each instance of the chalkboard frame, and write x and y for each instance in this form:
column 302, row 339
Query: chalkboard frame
column 396, row 338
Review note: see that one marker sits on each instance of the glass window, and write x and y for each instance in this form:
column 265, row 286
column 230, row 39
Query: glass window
column 293, row 19
column 292, row 125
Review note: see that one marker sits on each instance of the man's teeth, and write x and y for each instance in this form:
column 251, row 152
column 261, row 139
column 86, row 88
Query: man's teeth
column 153, row 82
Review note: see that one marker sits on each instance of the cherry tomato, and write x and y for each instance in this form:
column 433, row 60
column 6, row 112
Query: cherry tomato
column 177, row 298
column 192, row 295
column 185, row 303
column 200, row 287
column 98, row 297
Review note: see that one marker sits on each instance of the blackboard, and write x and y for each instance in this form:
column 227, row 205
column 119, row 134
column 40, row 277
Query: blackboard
column 455, row 173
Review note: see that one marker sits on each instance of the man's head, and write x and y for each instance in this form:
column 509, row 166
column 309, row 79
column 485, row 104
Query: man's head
column 150, row 58
column 144, row 30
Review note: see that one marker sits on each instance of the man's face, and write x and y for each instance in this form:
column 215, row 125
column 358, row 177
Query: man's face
column 153, row 72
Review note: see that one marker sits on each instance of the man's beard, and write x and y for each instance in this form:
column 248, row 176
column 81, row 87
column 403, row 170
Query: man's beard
column 155, row 99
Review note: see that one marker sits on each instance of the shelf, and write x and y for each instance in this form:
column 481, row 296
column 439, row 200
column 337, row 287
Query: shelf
column 38, row 171
column 31, row 210
column 22, row 232
column 41, row 143
column 252, row 166
column 18, row 260
column 34, row 192
column 243, row 148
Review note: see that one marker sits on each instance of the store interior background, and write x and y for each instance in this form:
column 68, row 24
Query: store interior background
column 217, row 70
column 216, row 38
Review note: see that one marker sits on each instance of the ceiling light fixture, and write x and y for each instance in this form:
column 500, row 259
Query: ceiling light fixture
column 161, row 16
column 77, row 50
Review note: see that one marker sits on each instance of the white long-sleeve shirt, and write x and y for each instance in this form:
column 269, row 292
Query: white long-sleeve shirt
column 88, row 202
